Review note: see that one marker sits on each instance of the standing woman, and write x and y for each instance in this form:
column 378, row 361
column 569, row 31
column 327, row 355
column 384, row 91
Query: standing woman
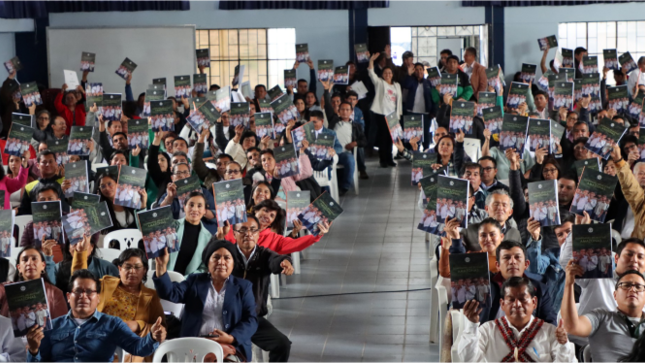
column 13, row 182
column 387, row 100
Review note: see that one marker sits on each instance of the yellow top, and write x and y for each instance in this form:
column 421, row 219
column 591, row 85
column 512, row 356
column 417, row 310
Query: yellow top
column 122, row 305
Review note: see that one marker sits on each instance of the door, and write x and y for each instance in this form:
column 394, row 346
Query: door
column 456, row 45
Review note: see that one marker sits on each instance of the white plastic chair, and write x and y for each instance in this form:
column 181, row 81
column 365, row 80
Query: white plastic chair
column 14, row 251
column 188, row 350
column 472, row 148
column 356, row 170
column 128, row 238
column 458, row 322
column 21, row 222
column 440, row 298
column 109, row 254
column 274, row 286
column 324, row 180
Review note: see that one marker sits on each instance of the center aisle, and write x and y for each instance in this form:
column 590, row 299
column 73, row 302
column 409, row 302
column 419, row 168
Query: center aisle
column 374, row 245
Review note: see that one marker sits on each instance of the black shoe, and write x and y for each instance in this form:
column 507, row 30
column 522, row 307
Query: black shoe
column 391, row 163
column 383, row 165
column 363, row 175
column 342, row 192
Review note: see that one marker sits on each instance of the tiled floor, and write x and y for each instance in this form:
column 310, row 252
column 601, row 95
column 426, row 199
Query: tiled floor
column 373, row 246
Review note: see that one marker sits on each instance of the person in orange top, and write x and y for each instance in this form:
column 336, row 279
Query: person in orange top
column 490, row 236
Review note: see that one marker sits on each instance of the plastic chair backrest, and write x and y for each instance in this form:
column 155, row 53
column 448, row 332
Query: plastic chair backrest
column 472, row 148
column 128, row 238
column 109, row 254
column 195, row 348
column 176, row 276
column 457, row 327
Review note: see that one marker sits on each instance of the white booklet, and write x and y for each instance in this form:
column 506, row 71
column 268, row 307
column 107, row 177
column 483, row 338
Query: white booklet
column 71, row 79
column 360, row 88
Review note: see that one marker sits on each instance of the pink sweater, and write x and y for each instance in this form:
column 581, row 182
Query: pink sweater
column 12, row 185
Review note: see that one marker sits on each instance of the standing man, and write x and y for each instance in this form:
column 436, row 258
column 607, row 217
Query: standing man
column 475, row 71
column 419, row 99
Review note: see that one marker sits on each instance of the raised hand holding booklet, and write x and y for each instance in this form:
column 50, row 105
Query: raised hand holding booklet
column 593, row 195
column 87, row 61
column 485, row 100
column 618, row 98
column 80, row 139
column 589, row 64
column 86, row 221
column 284, row 110
column 93, row 95
column 240, row 114
column 611, row 58
column 200, row 84
column 138, row 133
column 563, row 95
column 325, row 69
column 23, row 119
column 493, row 119
column 452, row 199
column 551, row 41
column 304, row 132
column 341, row 75
column 607, row 134
column 76, row 178
column 203, row 57
column 323, row 210
column 82, row 200
column 592, row 164
column 323, row 145
column 517, row 94
column 362, row 54
column 111, row 108
column 422, row 165
column 151, row 96
column 126, row 68
column 223, row 99
column 275, row 93
column 157, row 228
column 290, row 78
column 204, row 116
column 396, row 132
column 18, row 140
column 495, row 77
column 429, row 222
column 185, row 187
column 434, row 76
column 528, row 72
column 590, row 85
column 627, row 62
column 412, row 127
column 513, row 134
column 47, row 221
column 302, row 53
column 28, row 306
column 461, row 117
column 229, row 202
column 59, row 148
column 264, row 125
column 539, row 134
column 162, row 117
column 544, row 207
column 591, row 248
column 130, row 185
column 286, row 161
column 469, row 279
column 448, row 84
column 297, row 200
column 13, row 64
column 30, row 94
column 182, row 86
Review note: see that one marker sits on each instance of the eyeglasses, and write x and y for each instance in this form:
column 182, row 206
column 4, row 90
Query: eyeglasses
column 487, row 169
column 549, row 171
column 628, row 286
column 106, row 185
column 87, row 292
column 233, row 172
column 185, row 172
column 133, row 267
column 247, row 231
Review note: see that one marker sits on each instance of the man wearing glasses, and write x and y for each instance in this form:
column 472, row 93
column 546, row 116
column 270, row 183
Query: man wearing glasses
column 85, row 334
column 256, row 264
column 612, row 332
column 49, row 175
column 489, row 180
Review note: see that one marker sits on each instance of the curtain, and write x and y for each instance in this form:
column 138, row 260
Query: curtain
column 72, row 6
column 541, row 3
column 301, row 5
column 23, row 9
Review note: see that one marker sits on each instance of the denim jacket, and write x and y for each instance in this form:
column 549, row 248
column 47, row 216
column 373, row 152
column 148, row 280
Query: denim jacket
column 94, row 341
column 547, row 265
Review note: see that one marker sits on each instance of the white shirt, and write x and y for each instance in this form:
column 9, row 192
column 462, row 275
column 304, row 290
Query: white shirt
column 635, row 75
column 419, row 100
column 485, row 343
column 13, row 350
column 213, row 307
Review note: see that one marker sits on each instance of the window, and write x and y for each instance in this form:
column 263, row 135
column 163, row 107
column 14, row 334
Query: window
column 596, row 36
column 265, row 53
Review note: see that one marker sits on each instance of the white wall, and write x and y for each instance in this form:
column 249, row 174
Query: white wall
column 7, row 46
column 8, row 28
column 524, row 25
column 326, row 31
column 420, row 13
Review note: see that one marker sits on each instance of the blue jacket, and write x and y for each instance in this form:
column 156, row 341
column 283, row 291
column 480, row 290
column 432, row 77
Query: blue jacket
column 358, row 117
column 411, row 85
column 547, row 265
column 238, row 313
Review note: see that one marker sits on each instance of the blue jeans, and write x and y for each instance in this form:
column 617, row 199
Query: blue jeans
column 346, row 159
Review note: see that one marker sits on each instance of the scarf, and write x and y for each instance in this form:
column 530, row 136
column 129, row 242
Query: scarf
column 518, row 348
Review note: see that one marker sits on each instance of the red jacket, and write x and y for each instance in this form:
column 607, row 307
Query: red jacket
column 279, row 244
column 5, row 157
column 78, row 115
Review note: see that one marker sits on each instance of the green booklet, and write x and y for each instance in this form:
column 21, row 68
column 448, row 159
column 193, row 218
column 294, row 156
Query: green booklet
column 186, row 186
column 607, row 134
column 513, row 134
column 495, row 77
column 593, row 195
column 203, row 57
column 553, row 79
column 577, row 89
column 30, row 94
column 111, row 171
column 275, row 93
column 563, row 95
column 160, row 81
column 87, row 61
column 302, row 53
column 157, row 228
column 325, row 69
column 204, row 116
column 528, row 72
column 229, row 202
column 557, row 131
column 461, row 117
column 539, row 134
column 27, row 302
column 589, row 64
column 627, row 62
column 223, row 99
column 182, row 86
column 285, row 111
column 265, row 106
column 93, row 95
column 162, row 117
column 543, row 206
column 47, row 221
column 296, row 201
column 551, row 41
column 240, row 114
column 83, row 200
column 23, row 119
column 59, row 148
column 452, row 199
column 567, row 58
column 13, row 64
column 469, row 279
column 323, row 210
column 493, row 119
column 448, row 84
column 396, row 132
column 618, row 98
column 138, row 133
column 87, row 220
column 126, row 68
column 412, row 127
column 434, row 76
column 290, row 78
column 18, row 140
column 80, row 139
column 591, row 248
column 200, row 83
column 611, row 58
column 286, row 161
column 429, row 222
column 7, row 218
column 568, row 73
column 264, row 125
column 543, row 81
column 591, row 86
column 130, row 185
column 517, row 94
column 76, row 176
column 341, row 75
column 323, row 145
column 111, row 107
column 362, row 54
column 152, row 95
column 635, row 107
column 485, row 100
column 196, row 102
column 422, row 165
column 304, row 132
column 592, row 164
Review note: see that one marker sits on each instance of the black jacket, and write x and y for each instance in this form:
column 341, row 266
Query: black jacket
column 262, row 264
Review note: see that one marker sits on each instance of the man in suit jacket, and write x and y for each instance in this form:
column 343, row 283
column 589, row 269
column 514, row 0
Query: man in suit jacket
column 499, row 206
column 475, row 71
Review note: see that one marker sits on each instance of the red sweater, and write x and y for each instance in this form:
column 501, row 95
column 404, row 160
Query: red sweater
column 78, row 116
column 279, row 244
column 5, row 157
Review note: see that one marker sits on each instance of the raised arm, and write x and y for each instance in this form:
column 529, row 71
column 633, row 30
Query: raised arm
column 153, row 160
column 543, row 61
column 574, row 324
